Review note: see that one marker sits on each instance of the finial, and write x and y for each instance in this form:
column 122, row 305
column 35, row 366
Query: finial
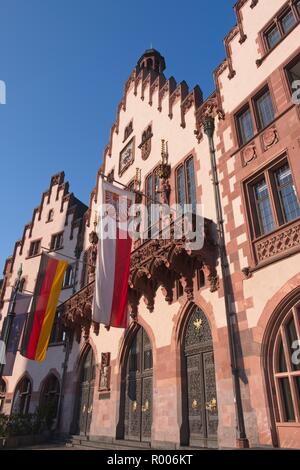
column 164, row 151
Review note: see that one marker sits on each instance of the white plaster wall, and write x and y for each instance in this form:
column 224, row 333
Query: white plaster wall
column 248, row 76
column 266, row 282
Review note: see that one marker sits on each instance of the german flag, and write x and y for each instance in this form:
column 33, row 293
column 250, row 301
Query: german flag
column 41, row 318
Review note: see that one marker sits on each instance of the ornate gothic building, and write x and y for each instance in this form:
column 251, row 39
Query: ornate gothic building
column 209, row 357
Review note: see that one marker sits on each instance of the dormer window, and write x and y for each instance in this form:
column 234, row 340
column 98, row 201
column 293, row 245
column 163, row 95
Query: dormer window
column 68, row 278
column 57, row 241
column 35, row 248
column 50, row 215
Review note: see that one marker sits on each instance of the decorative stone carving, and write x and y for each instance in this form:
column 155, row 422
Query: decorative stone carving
column 210, row 108
column 126, row 156
column 155, row 263
column 77, row 311
column 145, row 145
column 276, row 243
column 269, row 138
column 248, row 154
column 162, row 261
column 104, row 385
column 247, row 272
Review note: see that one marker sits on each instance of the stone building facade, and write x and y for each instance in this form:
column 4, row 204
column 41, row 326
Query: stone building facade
column 208, row 357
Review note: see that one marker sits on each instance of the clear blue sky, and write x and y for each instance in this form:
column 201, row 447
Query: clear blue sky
column 65, row 63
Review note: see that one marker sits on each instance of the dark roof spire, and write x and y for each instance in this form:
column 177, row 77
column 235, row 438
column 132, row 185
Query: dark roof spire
column 152, row 60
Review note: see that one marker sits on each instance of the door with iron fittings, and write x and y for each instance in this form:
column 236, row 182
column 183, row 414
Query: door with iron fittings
column 86, row 392
column 201, row 396
column 138, row 389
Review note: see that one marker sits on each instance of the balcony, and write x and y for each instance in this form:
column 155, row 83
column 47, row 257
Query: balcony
column 155, row 263
column 162, row 261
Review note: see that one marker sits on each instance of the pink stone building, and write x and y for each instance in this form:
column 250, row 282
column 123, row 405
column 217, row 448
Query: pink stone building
column 208, row 359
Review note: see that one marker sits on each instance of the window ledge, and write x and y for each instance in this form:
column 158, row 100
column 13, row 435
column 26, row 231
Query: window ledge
column 33, row 256
column 59, row 343
column 54, row 250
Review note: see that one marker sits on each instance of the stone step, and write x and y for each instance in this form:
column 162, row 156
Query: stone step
column 106, row 444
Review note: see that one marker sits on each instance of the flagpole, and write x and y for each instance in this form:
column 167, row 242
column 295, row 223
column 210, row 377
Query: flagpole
column 10, row 316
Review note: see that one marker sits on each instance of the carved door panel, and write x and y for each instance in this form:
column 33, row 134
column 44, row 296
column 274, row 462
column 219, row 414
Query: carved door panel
column 210, row 396
column 90, row 407
column 133, row 410
column 83, row 407
column 138, row 389
column 146, row 409
column 85, row 393
column 202, row 411
column 196, row 402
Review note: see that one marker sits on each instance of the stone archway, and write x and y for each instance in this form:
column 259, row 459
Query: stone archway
column 281, row 363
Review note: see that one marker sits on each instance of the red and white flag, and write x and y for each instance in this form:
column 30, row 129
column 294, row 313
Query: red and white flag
column 110, row 306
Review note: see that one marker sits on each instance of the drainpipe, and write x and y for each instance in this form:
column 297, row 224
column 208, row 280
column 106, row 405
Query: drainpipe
column 63, row 380
column 242, row 441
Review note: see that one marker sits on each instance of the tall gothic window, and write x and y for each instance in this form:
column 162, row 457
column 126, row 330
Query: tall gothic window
column 264, row 109
column 152, row 204
column 50, row 399
column 186, row 185
column 245, row 126
column 22, row 397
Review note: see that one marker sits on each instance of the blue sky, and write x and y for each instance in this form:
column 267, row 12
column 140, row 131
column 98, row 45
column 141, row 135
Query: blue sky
column 64, row 63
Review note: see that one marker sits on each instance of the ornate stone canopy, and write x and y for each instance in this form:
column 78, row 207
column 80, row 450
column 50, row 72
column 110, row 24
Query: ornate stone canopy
column 154, row 263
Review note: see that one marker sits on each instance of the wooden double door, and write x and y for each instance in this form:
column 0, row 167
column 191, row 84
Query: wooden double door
column 138, row 392
column 199, row 393
column 86, row 393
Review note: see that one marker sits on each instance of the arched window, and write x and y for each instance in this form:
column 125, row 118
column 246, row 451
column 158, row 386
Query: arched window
column 49, row 400
column 22, row 397
column 286, row 369
column 2, row 394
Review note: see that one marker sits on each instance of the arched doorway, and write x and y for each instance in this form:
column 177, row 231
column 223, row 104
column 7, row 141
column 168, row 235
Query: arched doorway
column 199, row 382
column 2, row 394
column 49, row 400
column 22, row 397
column 137, row 393
column 86, row 392
column 283, row 374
